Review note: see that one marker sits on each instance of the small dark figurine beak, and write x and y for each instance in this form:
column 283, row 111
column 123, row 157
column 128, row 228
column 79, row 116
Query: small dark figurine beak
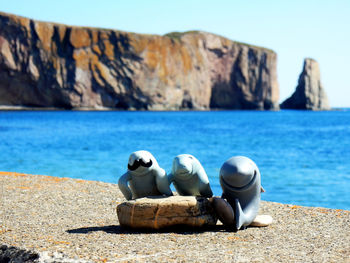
column 139, row 163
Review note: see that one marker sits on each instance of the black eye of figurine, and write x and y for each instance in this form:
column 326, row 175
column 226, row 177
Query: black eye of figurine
column 139, row 163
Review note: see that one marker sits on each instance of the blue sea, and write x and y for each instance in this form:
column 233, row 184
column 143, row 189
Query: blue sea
column 303, row 156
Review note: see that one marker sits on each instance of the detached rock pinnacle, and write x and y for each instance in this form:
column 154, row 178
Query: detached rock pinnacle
column 309, row 94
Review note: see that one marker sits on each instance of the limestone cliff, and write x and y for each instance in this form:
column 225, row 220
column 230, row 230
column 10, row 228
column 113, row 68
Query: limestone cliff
column 309, row 94
column 52, row 65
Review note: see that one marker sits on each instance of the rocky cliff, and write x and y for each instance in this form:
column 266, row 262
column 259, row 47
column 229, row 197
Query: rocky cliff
column 53, row 65
column 309, row 94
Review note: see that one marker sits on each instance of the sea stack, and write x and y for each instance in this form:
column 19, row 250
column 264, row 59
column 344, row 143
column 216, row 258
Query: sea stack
column 53, row 65
column 309, row 94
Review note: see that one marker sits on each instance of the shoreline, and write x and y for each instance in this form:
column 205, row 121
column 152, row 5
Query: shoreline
column 76, row 219
column 4, row 108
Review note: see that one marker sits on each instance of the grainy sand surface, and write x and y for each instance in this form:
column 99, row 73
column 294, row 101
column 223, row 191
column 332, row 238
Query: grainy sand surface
column 75, row 220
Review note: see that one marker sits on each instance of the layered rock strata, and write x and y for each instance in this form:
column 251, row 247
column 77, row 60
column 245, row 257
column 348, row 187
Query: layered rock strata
column 52, row 65
column 165, row 212
column 309, row 93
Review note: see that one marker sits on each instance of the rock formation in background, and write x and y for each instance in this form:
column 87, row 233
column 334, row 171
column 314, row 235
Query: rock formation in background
column 53, row 65
column 309, row 94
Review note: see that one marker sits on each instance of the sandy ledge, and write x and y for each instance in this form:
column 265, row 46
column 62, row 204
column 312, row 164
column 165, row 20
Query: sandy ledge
column 76, row 220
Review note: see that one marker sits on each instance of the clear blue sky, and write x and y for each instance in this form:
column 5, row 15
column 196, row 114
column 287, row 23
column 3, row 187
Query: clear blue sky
column 295, row 29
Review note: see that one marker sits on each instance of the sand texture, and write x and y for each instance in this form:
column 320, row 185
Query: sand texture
column 69, row 220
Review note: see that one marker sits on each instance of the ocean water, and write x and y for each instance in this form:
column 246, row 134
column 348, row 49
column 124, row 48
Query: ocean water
column 303, row 157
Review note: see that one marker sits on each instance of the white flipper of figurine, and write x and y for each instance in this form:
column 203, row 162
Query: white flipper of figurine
column 144, row 177
column 189, row 176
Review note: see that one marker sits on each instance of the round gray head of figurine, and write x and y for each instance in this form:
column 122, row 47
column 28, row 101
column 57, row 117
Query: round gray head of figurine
column 238, row 172
column 141, row 162
column 183, row 166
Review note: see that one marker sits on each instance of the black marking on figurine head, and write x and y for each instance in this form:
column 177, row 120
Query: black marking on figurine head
column 139, row 163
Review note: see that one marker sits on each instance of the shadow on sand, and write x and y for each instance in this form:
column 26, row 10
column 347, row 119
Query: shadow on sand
column 117, row 229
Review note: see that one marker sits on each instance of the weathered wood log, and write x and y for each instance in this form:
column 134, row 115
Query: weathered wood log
column 162, row 212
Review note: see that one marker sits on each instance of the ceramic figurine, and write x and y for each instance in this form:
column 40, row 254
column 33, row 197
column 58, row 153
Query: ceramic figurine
column 189, row 177
column 144, row 177
column 241, row 186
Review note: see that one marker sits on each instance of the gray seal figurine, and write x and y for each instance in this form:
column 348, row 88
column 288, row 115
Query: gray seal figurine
column 241, row 185
column 189, row 176
column 144, row 177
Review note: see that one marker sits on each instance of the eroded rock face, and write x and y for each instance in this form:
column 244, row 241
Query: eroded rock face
column 309, row 94
column 164, row 212
column 52, row 65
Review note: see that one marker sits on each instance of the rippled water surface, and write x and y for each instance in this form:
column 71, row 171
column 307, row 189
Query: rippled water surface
column 304, row 157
